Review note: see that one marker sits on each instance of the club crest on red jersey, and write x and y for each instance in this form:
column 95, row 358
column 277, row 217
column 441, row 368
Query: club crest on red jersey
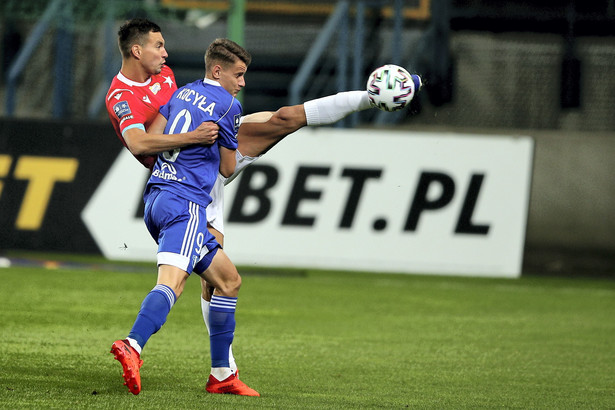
column 155, row 88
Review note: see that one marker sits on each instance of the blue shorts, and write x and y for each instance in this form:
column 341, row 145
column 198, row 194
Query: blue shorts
column 179, row 227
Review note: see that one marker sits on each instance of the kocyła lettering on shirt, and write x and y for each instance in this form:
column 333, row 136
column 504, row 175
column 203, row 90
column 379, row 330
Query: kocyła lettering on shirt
column 198, row 100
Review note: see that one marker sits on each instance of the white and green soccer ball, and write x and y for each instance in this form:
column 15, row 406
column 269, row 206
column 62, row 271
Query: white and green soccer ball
column 391, row 87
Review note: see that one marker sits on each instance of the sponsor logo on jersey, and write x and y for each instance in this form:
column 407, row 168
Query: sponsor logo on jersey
column 170, row 167
column 146, row 99
column 155, row 88
column 167, row 171
column 121, row 109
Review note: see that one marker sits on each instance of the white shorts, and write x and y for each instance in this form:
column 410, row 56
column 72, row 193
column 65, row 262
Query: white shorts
column 215, row 210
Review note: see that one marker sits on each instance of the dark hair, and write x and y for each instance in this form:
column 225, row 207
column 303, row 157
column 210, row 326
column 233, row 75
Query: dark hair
column 225, row 51
column 133, row 32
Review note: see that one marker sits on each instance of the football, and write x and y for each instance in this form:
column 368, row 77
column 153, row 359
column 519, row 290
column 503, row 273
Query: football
column 391, row 87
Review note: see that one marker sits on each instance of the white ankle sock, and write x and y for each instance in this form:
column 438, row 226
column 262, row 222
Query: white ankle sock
column 134, row 344
column 221, row 373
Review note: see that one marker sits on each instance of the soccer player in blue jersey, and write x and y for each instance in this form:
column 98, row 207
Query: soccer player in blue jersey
column 176, row 197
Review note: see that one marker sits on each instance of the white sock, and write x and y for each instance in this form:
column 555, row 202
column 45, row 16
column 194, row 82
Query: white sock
column 333, row 108
column 231, row 359
column 221, row 373
column 205, row 310
column 134, row 345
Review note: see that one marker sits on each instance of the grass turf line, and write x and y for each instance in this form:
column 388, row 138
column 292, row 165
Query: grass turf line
column 316, row 340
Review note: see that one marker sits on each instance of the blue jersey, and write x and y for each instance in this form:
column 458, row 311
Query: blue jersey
column 190, row 172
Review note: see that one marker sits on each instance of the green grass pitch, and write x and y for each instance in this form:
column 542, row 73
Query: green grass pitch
column 315, row 340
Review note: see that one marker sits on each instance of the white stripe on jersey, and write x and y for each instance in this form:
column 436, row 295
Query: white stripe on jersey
column 191, row 230
column 117, row 90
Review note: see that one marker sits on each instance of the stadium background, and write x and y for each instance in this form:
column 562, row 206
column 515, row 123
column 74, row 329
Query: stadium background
column 544, row 69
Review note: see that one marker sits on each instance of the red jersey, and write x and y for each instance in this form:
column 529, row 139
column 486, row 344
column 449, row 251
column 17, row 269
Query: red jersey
column 135, row 105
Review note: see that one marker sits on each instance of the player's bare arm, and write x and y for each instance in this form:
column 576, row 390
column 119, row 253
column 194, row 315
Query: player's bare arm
column 155, row 141
column 227, row 161
column 259, row 132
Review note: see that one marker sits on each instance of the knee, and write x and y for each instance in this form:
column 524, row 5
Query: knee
column 292, row 118
column 230, row 287
column 235, row 283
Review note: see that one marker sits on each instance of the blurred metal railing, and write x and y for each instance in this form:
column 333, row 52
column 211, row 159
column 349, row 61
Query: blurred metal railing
column 337, row 19
column 112, row 64
column 22, row 58
column 60, row 13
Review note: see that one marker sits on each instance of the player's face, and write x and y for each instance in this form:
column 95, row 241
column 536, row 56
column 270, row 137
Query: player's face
column 232, row 77
column 153, row 53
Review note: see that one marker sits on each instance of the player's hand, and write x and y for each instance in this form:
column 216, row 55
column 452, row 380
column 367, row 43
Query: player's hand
column 206, row 133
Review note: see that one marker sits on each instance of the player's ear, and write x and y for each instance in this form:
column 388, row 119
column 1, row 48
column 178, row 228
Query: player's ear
column 215, row 72
column 136, row 51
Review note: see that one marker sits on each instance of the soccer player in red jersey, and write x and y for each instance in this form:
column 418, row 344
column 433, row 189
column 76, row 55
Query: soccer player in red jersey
column 143, row 84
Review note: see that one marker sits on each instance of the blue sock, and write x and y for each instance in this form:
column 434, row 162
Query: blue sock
column 154, row 311
column 221, row 329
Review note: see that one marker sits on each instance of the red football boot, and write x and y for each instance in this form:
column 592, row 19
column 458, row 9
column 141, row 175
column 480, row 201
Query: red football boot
column 131, row 363
column 230, row 385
